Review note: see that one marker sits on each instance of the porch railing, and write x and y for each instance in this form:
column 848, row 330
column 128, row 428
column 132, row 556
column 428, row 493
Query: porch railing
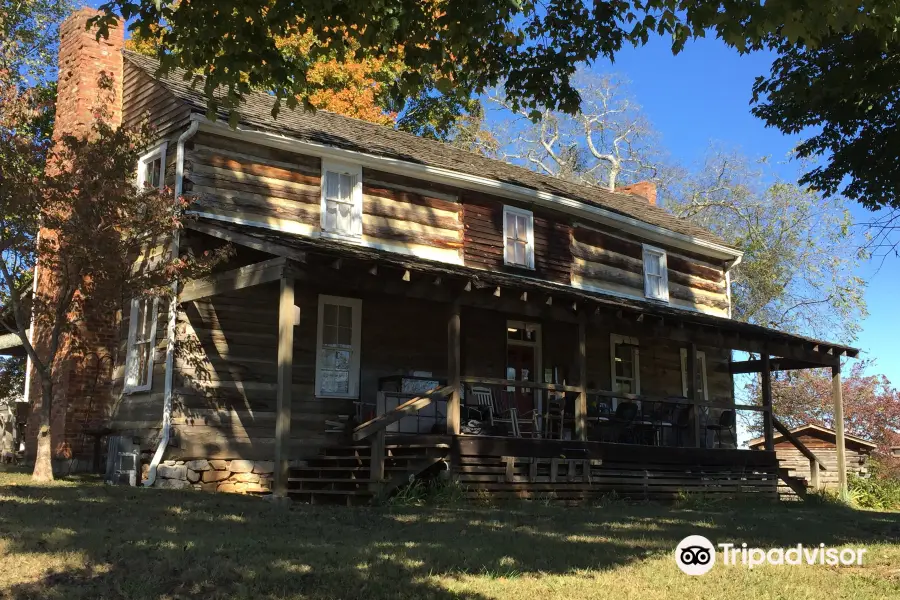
column 580, row 419
column 377, row 427
column 815, row 463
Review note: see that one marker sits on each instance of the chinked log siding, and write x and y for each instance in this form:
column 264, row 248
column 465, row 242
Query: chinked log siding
column 483, row 222
column 602, row 260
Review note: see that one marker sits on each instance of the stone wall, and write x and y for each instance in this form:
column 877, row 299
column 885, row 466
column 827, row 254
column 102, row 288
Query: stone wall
column 241, row 476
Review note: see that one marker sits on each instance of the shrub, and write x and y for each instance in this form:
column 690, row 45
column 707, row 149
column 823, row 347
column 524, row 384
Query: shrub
column 879, row 493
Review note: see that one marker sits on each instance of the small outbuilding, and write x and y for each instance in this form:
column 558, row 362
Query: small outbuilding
column 821, row 441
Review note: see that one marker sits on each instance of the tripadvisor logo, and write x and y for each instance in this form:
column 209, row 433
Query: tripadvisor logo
column 696, row 555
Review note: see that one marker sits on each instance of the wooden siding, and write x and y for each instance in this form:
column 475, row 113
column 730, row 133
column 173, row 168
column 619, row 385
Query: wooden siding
column 791, row 458
column 403, row 215
column 254, row 183
column 483, row 220
column 605, row 260
column 145, row 98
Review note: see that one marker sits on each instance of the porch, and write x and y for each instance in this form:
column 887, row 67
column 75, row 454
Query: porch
column 536, row 384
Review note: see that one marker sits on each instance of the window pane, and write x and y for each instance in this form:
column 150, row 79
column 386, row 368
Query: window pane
column 330, row 316
column 651, row 264
column 329, row 335
column 345, row 336
column 335, row 382
column 332, row 185
column 520, row 253
column 346, row 188
column 510, row 253
column 330, row 216
column 153, row 175
column 624, row 386
column 143, row 362
column 336, row 359
column 345, row 316
column 522, row 228
column 509, row 228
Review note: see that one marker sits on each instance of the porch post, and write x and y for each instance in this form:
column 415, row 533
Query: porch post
column 453, row 366
column 768, row 430
column 285, row 376
column 692, row 389
column 837, row 397
column 581, row 405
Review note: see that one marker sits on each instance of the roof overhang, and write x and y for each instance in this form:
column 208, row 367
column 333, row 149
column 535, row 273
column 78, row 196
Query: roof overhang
column 640, row 317
column 847, row 438
column 470, row 181
column 11, row 345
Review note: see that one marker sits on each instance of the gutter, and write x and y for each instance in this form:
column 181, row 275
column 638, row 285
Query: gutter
column 173, row 315
column 477, row 183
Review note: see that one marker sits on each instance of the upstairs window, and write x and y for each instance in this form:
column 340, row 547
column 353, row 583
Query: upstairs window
column 341, row 199
column 337, row 363
column 518, row 237
column 656, row 274
column 141, row 342
column 152, row 168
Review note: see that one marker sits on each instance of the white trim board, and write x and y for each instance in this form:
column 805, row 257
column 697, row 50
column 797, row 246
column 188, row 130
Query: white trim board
column 578, row 208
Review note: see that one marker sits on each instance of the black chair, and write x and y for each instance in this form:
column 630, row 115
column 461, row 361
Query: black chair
column 726, row 423
column 681, row 423
column 626, row 413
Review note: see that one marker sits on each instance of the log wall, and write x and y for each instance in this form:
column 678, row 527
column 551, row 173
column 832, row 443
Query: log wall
column 605, row 260
column 791, row 458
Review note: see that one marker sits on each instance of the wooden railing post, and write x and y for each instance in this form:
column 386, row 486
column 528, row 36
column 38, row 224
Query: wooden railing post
column 453, row 369
column 376, row 462
column 285, row 381
column 768, row 431
column 838, row 399
column 581, row 405
column 814, row 474
column 692, row 389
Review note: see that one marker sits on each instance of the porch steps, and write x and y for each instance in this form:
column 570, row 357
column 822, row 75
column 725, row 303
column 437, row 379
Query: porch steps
column 341, row 474
column 791, row 488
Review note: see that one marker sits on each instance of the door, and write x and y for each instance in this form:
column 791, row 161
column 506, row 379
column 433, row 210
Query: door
column 523, row 363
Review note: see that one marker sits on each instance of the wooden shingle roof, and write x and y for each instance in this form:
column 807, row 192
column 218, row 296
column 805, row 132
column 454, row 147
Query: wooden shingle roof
column 338, row 131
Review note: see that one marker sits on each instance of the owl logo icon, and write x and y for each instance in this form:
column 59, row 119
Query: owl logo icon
column 695, row 555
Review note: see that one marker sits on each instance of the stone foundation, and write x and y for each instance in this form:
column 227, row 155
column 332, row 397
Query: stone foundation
column 236, row 476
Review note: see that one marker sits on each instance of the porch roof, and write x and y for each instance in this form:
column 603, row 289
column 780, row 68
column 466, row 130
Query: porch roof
column 826, row 433
column 324, row 250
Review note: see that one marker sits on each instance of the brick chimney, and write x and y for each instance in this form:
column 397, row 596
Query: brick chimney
column 82, row 387
column 82, row 58
column 644, row 189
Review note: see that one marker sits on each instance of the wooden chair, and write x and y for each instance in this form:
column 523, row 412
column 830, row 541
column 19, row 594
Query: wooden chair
column 555, row 416
column 496, row 411
column 624, row 421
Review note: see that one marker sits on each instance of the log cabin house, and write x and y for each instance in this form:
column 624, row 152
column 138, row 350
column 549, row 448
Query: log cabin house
column 395, row 305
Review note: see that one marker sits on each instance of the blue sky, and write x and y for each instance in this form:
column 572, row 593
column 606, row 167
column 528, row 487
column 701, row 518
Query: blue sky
column 703, row 95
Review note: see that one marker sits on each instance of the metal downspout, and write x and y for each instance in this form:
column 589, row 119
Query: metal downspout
column 173, row 315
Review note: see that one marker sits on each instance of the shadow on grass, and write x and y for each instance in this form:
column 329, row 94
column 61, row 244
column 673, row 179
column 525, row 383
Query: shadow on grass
column 136, row 543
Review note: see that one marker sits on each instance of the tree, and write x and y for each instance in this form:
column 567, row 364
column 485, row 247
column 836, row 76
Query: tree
column 608, row 141
column 28, row 37
column 801, row 255
column 354, row 88
column 466, row 47
column 84, row 221
column 800, row 259
column 871, row 404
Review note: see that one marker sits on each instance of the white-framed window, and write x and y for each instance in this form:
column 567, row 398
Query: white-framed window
column 141, row 344
column 656, row 274
column 338, row 343
column 625, row 365
column 152, row 168
column 341, row 198
column 518, row 237
column 702, row 389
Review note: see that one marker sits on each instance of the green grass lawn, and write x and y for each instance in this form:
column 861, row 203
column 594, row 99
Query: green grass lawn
column 78, row 540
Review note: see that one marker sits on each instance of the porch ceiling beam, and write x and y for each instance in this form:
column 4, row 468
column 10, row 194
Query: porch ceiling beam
column 248, row 240
column 777, row 364
column 236, row 279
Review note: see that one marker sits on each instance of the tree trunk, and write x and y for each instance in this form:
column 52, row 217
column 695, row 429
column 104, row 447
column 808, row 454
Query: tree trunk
column 43, row 464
